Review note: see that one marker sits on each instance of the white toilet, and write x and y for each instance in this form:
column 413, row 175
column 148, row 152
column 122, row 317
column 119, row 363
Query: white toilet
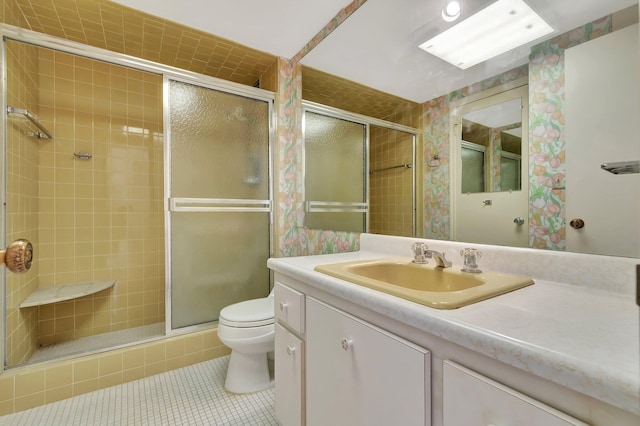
column 248, row 329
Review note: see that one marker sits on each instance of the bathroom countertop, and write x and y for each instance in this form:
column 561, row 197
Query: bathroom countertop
column 579, row 337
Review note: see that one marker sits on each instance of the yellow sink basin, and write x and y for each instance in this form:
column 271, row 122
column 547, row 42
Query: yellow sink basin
column 441, row 288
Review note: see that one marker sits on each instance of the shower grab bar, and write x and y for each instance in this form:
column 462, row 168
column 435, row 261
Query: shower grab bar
column 406, row 166
column 42, row 133
column 335, row 207
column 218, row 205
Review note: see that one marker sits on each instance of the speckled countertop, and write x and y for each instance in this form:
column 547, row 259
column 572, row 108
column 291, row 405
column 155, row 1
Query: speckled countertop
column 569, row 330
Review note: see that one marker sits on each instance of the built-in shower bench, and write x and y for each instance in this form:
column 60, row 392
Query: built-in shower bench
column 60, row 293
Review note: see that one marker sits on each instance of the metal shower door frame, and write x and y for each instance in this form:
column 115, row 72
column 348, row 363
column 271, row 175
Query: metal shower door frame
column 181, row 204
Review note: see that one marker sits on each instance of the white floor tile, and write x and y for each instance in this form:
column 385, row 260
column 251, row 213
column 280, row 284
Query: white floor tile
column 193, row 395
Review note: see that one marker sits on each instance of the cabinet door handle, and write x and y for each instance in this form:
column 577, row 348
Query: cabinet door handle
column 346, row 343
column 283, row 306
column 291, row 350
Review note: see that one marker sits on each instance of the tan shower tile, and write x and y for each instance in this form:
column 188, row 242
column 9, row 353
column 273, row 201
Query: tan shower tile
column 29, row 383
column 155, row 368
column 175, row 348
column 59, row 376
column 133, row 358
column 6, row 388
column 84, row 269
column 85, row 369
column 64, row 309
column 65, row 264
column 111, row 364
column 135, row 315
column 86, row 386
column 29, row 401
column 46, row 327
column 111, row 380
column 62, row 278
column 155, row 352
column 58, row 394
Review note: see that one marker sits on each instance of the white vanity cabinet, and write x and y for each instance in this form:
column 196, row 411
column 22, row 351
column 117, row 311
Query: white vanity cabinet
column 289, row 355
column 359, row 374
column 472, row 399
column 341, row 363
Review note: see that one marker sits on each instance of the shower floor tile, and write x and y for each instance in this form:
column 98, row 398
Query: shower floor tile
column 193, row 395
column 99, row 341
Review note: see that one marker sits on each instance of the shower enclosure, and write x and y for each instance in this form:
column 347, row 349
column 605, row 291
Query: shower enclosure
column 148, row 208
column 359, row 173
column 219, row 206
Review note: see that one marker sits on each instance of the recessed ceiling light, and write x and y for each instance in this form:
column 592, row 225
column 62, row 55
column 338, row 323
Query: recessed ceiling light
column 498, row 28
column 451, row 11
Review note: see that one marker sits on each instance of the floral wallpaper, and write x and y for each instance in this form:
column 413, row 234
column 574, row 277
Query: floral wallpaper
column 293, row 239
column 546, row 140
column 546, row 135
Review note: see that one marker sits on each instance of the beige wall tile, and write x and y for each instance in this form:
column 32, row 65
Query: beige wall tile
column 57, row 377
column 29, row 401
column 29, row 383
column 86, row 369
column 6, row 388
column 58, row 394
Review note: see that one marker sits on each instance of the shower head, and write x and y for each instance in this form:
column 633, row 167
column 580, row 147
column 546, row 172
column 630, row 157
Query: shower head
column 237, row 114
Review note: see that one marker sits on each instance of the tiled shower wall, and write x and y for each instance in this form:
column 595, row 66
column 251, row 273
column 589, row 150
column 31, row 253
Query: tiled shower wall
column 390, row 194
column 89, row 220
column 100, row 219
column 22, row 197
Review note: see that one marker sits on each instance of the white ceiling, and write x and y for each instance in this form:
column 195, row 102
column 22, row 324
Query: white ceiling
column 376, row 46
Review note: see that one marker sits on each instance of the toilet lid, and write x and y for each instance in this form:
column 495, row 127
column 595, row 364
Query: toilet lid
column 250, row 313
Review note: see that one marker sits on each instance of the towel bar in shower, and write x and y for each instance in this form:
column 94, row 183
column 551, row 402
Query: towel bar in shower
column 42, row 132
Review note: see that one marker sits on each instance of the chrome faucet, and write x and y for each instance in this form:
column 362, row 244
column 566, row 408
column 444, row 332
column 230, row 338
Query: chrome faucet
column 441, row 260
column 421, row 253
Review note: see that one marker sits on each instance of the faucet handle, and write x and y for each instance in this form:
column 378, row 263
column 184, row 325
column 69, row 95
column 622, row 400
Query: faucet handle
column 470, row 257
column 419, row 253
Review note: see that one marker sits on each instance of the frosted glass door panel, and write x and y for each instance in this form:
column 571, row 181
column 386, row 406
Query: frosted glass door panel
column 217, row 259
column 219, row 143
column 509, row 174
column 219, row 201
column 472, row 170
column 335, row 161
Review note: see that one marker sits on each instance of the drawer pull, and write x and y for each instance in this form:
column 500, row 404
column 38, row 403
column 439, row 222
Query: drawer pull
column 291, row 350
column 346, row 343
column 283, row 306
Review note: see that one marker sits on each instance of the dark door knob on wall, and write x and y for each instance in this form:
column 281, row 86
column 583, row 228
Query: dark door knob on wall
column 17, row 256
column 577, row 223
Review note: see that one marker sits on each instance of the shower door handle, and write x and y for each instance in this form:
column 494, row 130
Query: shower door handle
column 17, row 256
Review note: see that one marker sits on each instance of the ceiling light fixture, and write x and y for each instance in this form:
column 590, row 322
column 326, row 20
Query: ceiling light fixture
column 451, row 11
column 498, row 28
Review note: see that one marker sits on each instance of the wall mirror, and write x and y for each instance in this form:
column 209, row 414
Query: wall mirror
column 491, row 147
column 548, row 168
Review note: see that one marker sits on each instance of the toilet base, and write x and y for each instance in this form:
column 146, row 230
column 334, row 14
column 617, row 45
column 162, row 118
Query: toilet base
column 248, row 372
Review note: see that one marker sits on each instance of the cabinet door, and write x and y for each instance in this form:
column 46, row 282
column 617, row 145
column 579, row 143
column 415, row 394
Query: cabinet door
column 358, row 374
column 289, row 307
column 289, row 358
column 471, row 399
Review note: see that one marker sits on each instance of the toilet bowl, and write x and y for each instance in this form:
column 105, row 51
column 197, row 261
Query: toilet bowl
column 248, row 329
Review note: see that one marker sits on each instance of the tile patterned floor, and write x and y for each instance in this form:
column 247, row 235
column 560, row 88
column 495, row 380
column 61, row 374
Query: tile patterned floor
column 191, row 395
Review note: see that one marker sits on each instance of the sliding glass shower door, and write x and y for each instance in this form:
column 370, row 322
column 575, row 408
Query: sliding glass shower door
column 219, row 208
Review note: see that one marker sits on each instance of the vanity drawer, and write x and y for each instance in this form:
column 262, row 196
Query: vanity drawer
column 289, row 308
column 471, row 399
